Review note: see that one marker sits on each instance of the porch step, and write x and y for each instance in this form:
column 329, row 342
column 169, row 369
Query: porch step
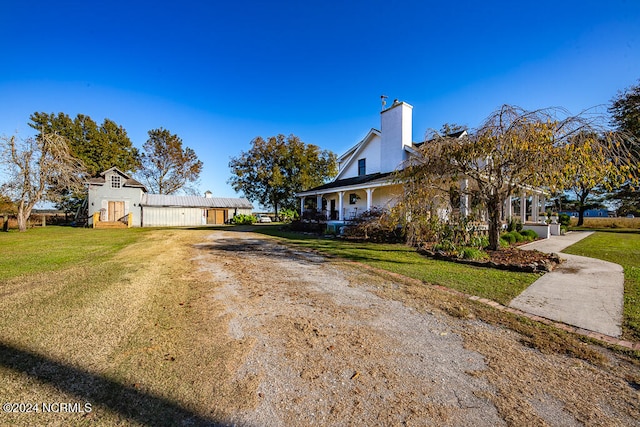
column 110, row 224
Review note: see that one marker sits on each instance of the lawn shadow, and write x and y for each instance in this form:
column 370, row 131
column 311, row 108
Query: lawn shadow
column 133, row 404
column 263, row 248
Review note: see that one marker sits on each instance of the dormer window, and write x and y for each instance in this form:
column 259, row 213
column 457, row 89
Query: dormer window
column 362, row 167
column 115, row 181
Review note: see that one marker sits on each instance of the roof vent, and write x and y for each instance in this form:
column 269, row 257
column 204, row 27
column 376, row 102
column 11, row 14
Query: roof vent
column 208, row 194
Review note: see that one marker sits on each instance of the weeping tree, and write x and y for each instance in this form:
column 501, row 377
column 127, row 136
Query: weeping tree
column 512, row 149
column 38, row 169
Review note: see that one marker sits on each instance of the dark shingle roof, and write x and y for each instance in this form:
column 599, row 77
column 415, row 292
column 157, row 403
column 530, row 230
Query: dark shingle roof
column 352, row 181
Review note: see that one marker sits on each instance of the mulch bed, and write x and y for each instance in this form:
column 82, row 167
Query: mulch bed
column 512, row 259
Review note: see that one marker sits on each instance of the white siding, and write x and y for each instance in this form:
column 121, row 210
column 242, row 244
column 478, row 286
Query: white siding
column 371, row 152
column 173, row 217
column 396, row 127
column 101, row 195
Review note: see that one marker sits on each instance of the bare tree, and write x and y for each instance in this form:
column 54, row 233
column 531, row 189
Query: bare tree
column 38, row 169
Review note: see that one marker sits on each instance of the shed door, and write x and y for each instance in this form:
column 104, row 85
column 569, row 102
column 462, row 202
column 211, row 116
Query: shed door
column 216, row 216
column 116, row 211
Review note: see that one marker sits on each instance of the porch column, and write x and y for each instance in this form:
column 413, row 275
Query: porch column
column 340, row 206
column 301, row 206
column 523, row 208
column 369, row 197
column 508, row 209
column 464, row 198
column 543, row 202
column 534, row 208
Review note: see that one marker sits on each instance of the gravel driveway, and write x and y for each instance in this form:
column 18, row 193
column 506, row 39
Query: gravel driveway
column 334, row 345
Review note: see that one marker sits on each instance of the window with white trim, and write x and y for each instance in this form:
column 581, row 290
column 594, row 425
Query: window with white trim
column 362, row 167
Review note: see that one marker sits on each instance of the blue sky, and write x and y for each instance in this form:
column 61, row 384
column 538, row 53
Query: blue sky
column 219, row 74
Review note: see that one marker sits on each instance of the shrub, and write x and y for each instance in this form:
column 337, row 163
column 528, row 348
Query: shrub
column 510, row 237
column 478, row 242
column 473, row 253
column 375, row 225
column 288, row 215
column 242, row 219
column 445, row 246
column 514, row 225
column 529, row 233
column 504, row 243
column 564, row 219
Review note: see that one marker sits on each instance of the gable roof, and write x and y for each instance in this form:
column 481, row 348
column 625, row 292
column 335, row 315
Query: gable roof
column 128, row 181
column 352, row 154
column 371, row 179
column 458, row 134
column 169, row 200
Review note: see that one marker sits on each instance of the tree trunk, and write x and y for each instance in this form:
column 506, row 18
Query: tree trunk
column 581, row 215
column 582, row 197
column 22, row 221
column 493, row 206
column 24, row 212
column 275, row 206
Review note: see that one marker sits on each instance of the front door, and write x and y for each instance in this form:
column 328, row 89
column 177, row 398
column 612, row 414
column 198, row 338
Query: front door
column 116, row 211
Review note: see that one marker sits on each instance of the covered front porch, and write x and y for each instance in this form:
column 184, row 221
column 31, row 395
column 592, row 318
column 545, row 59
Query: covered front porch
column 345, row 204
column 345, row 199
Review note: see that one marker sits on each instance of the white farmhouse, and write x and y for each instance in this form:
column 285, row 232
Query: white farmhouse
column 365, row 177
column 117, row 200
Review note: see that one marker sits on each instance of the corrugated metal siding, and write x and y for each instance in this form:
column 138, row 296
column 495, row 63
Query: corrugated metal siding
column 195, row 201
column 172, row 217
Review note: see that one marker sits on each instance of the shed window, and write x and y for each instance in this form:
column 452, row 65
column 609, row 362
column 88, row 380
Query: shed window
column 115, row 181
column 362, row 167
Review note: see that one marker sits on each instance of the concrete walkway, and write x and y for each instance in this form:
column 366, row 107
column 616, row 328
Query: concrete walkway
column 583, row 292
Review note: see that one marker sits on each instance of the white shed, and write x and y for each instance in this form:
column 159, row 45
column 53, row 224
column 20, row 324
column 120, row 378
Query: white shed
column 160, row 210
column 117, row 200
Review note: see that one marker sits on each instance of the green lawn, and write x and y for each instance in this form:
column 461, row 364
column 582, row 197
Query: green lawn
column 45, row 249
column 623, row 249
column 497, row 285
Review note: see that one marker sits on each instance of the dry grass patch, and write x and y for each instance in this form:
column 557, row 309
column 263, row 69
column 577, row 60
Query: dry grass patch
column 535, row 368
column 136, row 336
column 614, row 223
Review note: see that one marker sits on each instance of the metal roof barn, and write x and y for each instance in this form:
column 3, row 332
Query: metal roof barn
column 160, row 210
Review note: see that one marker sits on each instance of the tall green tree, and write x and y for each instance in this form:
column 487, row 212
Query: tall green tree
column 276, row 168
column 625, row 113
column 167, row 167
column 98, row 147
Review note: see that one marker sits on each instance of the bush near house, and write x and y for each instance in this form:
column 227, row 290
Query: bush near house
column 242, row 219
column 375, row 225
